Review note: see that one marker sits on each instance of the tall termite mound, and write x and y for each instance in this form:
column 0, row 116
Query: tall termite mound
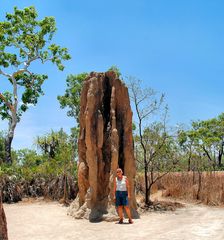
column 105, row 143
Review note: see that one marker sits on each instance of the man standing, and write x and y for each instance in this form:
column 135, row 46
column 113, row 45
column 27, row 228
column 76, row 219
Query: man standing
column 122, row 194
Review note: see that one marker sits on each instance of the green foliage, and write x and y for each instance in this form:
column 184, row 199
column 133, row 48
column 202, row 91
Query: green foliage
column 28, row 158
column 133, row 126
column 4, row 108
column 53, row 143
column 116, row 70
column 29, row 164
column 71, row 98
column 205, row 139
column 59, row 148
column 160, row 149
column 23, row 38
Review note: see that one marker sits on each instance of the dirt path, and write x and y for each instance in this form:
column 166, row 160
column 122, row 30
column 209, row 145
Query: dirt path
column 48, row 221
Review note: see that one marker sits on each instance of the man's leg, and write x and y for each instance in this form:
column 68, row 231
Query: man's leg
column 127, row 209
column 120, row 213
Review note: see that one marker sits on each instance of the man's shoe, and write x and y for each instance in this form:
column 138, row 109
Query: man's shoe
column 120, row 221
column 130, row 221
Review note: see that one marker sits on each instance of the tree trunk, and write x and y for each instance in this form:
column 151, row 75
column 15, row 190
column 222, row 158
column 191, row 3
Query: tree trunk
column 149, row 202
column 8, row 141
column 189, row 163
column 8, row 144
column 220, row 158
column 220, row 161
column 193, row 177
column 9, row 137
column 199, row 185
column 12, row 123
column 189, row 159
column 146, row 186
column 3, row 223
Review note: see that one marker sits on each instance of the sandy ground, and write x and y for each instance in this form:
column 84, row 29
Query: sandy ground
column 41, row 220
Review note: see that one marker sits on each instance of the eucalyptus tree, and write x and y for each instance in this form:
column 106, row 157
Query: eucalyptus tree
column 146, row 104
column 24, row 40
column 161, row 153
column 204, row 138
column 193, row 147
column 186, row 143
column 208, row 137
column 71, row 98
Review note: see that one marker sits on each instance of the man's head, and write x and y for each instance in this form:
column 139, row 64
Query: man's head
column 119, row 172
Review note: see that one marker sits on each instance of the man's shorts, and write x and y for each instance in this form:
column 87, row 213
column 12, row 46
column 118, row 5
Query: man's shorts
column 121, row 198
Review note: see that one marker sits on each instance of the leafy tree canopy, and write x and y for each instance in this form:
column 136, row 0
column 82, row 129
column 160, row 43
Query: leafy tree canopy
column 23, row 40
column 71, row 98
column 207, row 138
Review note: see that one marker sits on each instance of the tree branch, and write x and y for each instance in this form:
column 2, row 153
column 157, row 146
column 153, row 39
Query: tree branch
column 155, row 152
column 160, row 176
column 207, row 153
column 148, row 113
column 47, row 59
column 27, row 63
column 21, row 71
column 5, row 74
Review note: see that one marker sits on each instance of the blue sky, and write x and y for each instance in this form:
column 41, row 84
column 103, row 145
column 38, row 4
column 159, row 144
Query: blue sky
column 175, row 47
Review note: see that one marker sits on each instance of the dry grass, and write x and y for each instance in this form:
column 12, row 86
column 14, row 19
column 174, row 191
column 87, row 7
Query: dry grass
column 185, row 186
